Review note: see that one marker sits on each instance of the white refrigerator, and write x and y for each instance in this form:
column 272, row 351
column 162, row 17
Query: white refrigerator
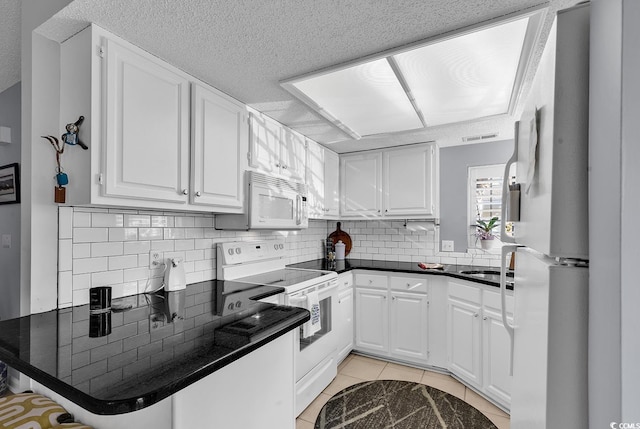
column 550, row 325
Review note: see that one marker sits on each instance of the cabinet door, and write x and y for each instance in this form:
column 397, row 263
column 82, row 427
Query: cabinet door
column 315, row 179
column 331, row 183
column 464, row 341
column 293, row 154
column 497, row 348
column 409, row 187
column 345, row 318
column 146, row 127
column 219, row 142
column 372, row 320
column 409, row 326
column 361, row 184
column 264, row 143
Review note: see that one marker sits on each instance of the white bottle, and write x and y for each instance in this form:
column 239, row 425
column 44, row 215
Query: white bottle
column 340, row 246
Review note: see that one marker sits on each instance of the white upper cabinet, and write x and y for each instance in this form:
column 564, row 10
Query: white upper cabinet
column 322, row 181
column 361, row 184
column 275, row 149
column 218, row 147
column 408, row 181
column 146, row 119
column 400, row 182
column 293, row 153
column 152, row 143
column 331, row 184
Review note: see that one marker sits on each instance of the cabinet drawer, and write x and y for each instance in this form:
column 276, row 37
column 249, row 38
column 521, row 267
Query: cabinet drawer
column 371, row 280
column 345, row 281
column 409, row 284
column 492, row 300
column 465, row 292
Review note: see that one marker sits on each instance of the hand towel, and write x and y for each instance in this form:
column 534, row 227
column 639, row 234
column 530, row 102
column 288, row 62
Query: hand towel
column 313, row 325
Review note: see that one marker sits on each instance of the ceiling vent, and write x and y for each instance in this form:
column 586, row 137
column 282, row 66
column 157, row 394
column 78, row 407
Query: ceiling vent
column 476, row 139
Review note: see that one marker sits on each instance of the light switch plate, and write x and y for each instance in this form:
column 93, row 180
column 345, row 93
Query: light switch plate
column 447, row 245
column 6, row 241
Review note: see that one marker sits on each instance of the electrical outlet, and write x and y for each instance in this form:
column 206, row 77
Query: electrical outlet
column 155, row 259
column 447, row 245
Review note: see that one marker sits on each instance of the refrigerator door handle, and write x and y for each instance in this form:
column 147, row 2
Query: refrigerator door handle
column 503, row 298
column 505, row 189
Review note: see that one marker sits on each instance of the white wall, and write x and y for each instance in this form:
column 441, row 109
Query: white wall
column 10, row 213
column 614, row 296
column 40, row 106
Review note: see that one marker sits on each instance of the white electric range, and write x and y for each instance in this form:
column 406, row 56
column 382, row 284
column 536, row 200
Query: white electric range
column 264, row 262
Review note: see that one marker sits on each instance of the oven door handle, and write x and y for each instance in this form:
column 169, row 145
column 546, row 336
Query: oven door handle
column 300, row 296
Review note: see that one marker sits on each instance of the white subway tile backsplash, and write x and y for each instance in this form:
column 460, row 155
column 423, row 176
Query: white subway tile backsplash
column 184, row 244
column 174, row 233
column 81, row 281
column 163, row 245
column 89, row 265
column 90, row 235
column 81, row 219
column 131, row 274
column 137, row 221
column 150, row 233
column 65, row 287
column 123, row 234
column 65, row 222
column 184, row 221
column 162, row 221
column 132, row 247
column 205, row 222
column 120, row 262
column 65, row 255
column 107, row 220
column 82, row 250
column 107, row 278
column 107, row 249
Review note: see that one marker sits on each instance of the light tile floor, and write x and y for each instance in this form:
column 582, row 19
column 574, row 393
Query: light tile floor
column 355, row 369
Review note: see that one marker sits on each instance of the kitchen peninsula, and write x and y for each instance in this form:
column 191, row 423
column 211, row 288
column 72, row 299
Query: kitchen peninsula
column 150, row 361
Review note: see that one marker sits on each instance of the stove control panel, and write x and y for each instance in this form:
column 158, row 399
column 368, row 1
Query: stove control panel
column 240, row 252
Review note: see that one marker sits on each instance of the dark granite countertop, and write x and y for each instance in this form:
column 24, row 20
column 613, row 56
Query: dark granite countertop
column 449, row 270
column 124, row 361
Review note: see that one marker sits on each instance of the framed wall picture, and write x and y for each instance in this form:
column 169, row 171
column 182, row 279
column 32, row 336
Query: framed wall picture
column 10, row 184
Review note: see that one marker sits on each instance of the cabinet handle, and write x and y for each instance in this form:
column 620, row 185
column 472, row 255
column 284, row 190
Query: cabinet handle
column 475, row 314
column 278, row 165
column 198, row 193
column 185, row 192
column 484, row 318
column 284, row 167
column 393, row 298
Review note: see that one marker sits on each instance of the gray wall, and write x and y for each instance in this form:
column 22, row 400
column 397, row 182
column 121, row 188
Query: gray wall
column 10, row 213
column 454, row 163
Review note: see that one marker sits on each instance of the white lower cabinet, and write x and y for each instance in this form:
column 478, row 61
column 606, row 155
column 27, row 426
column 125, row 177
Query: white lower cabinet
column 408, row 311
column 392, row 316
column 464, row 332
column 372, row 320
column 478, row 346
column 345, row 315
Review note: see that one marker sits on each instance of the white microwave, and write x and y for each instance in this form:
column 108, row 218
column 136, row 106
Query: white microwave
column 272, row 203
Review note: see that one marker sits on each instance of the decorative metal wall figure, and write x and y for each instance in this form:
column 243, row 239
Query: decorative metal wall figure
column 71, row 138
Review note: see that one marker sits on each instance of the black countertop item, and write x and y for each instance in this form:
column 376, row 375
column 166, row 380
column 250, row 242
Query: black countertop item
column 118, row 362
column 449, row 270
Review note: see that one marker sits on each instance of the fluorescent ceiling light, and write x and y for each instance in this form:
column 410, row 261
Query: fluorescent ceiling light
column 466, row 77
column 471, row 76
column 367, row 98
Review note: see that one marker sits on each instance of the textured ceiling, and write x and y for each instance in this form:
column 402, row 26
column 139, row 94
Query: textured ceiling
column 9, row 43
column 245, row 48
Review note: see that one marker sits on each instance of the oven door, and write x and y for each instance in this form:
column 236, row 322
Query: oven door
column 312, row 350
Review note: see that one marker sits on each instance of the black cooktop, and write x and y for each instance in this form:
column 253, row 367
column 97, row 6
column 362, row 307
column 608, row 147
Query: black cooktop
column 283, row 278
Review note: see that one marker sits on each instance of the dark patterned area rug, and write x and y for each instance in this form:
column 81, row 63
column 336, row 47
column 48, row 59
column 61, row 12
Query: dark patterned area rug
column 393, row 404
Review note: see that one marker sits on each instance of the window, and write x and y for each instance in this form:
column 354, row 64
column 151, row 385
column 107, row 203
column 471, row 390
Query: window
column 485, row 197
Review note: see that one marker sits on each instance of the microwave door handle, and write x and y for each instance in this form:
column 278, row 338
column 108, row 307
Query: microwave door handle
column 298, row 209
